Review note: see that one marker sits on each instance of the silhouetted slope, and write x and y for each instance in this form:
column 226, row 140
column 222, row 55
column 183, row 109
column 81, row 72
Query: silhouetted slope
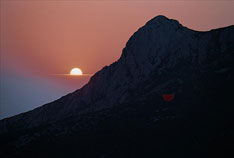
column 121, row 111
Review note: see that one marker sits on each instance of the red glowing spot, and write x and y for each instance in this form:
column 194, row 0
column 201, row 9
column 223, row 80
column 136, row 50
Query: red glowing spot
column 168, row 97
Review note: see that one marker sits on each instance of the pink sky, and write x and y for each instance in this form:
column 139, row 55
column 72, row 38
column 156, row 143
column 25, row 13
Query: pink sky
column 49, row 37
column 40, row 38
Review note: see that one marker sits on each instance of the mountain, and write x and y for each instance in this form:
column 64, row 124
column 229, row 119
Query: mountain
column 169, row 95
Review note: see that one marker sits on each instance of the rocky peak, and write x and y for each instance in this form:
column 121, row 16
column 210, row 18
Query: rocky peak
column 123, row 102
column 158, row 47
column 161, row 44
column 162, row 20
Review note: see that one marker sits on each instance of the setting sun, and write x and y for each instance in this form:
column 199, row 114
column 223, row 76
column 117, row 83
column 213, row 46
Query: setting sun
column 76, row 71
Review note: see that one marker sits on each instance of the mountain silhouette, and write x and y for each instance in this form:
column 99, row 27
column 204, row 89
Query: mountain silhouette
column 169, row 95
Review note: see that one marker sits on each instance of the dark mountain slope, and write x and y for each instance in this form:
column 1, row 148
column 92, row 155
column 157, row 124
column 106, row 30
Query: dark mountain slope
column 121, row 111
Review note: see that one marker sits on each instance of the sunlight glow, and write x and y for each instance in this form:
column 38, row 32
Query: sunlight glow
column 76, row 71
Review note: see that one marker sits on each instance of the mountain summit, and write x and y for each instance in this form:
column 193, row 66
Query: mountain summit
column 168, row 95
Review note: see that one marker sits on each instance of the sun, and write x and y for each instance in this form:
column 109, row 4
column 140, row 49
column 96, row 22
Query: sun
column 76, row 71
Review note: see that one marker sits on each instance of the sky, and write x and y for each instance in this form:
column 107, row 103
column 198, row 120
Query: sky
column 40, row 39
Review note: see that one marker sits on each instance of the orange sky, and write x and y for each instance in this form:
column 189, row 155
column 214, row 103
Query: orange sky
column 49, row 37
column 41, row 38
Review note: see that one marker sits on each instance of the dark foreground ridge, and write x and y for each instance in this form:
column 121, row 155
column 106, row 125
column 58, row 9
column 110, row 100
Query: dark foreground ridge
column 169, row 95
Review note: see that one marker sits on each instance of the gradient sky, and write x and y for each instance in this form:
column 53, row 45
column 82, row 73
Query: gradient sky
column 42, row 38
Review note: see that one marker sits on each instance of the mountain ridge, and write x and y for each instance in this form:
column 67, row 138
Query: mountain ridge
column 161, row 57
column 161, row 20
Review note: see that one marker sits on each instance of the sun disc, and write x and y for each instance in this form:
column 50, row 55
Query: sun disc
column 76, row 71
